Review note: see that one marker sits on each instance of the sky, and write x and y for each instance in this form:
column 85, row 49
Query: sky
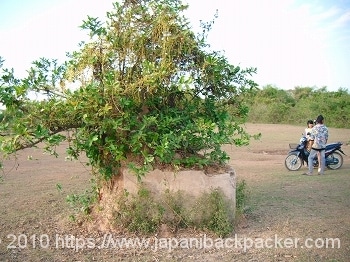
column 292, row 43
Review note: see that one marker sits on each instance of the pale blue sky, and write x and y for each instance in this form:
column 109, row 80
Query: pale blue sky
column 291, row 42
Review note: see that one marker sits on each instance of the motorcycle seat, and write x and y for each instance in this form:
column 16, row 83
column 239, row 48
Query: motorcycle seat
column 332, row 145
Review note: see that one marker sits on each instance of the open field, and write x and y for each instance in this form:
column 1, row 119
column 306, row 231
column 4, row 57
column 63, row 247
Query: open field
column 283, row 206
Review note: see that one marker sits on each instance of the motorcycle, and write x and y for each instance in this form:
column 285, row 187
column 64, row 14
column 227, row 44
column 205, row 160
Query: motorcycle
column 298, row 156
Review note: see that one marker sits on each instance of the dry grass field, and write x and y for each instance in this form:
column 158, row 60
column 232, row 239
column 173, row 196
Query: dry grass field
column 300, row 218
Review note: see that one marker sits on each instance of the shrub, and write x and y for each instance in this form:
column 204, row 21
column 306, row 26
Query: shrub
column 213, row 212
column 144, row 213
column 242, row 197
column 140, row 213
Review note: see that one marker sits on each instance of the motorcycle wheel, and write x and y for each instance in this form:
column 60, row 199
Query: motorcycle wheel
column 340, row 160
column 293, row 162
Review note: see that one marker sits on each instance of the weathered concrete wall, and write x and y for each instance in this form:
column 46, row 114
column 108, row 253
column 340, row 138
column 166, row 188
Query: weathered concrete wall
column 192, row 182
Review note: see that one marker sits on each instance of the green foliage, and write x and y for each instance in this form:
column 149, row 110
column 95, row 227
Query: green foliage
column 2, row 116
column 272, row 105
column 214, row 213
column 59, row 187
column 242, row 196
column 176, row 213
column 144, row 213
column 82, row 202
column 148, row 91
column 140, row 213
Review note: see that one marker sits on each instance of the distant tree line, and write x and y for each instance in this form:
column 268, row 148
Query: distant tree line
column 276, row 106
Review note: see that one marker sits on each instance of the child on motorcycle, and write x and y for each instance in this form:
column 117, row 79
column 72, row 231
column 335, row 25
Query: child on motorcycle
column 310, row 125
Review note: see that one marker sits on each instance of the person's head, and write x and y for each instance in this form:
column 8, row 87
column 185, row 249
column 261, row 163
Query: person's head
column 319, row 119
column 309, row 123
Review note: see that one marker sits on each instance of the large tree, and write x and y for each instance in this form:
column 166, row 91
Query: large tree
column 147, row 91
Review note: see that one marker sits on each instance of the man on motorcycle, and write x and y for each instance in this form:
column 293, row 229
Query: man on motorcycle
column 319, row 136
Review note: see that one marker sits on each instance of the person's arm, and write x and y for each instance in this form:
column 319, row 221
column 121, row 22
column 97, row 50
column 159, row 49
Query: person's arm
column 312, row 134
